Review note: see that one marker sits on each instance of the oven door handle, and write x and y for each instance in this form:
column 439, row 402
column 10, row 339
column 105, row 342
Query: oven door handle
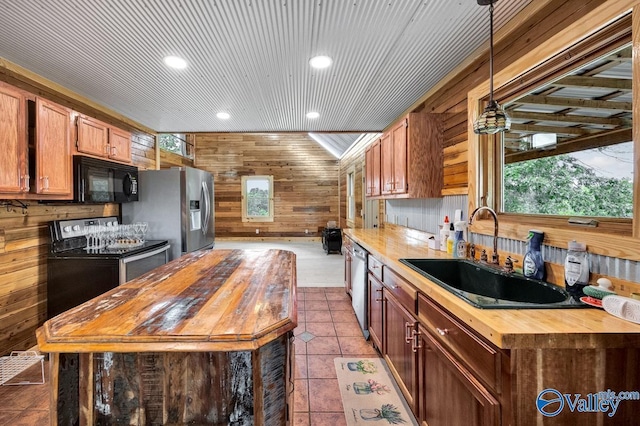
column 145, row 254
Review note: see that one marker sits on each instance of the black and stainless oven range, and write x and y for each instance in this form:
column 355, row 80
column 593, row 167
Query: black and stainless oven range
column 76, row 274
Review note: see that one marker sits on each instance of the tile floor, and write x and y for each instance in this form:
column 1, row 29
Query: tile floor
column 327, row 328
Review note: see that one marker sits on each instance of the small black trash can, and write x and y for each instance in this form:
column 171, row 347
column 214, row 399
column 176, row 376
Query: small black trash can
column 332, row 240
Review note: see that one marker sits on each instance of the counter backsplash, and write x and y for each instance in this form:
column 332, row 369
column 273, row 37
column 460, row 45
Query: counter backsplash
column 427, row 214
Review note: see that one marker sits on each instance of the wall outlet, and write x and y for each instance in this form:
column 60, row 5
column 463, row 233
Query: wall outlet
column 306, row 231
column 257, row 231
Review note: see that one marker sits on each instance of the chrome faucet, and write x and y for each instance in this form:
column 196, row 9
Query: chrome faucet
column 494, row 257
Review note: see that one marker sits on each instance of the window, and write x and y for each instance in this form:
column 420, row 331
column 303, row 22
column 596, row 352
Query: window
column 257, row 198
column 351, row 199
column 569, row 150
column 175, row 143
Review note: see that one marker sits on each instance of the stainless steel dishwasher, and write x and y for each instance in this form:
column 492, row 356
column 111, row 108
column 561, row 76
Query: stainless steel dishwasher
column 359, row 296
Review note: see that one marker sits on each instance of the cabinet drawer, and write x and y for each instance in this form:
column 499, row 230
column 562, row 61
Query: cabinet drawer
column 481, row 358
column 375, row 267
column 402, row 290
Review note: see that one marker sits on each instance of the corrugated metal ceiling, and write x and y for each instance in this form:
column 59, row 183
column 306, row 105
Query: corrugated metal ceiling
column 248, row 57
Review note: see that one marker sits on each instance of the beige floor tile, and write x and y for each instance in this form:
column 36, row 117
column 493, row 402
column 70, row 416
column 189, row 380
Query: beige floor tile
column 300, row 346
column 322, row 367
column 343, row 316
column 328, row 419
column 318, row 316
column 316, row 305
column 315, row 295
column 321, row 329
column 340, row 305
column 323, row 346
column 351, row 328
column 351, row 346
column 301, row 419
column 301, row 369
column 324, row 395
column 301, row 396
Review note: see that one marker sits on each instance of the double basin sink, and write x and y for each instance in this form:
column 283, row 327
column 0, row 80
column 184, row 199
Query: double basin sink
column 487, row 287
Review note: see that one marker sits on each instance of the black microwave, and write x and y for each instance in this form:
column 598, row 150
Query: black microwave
column 100, row 181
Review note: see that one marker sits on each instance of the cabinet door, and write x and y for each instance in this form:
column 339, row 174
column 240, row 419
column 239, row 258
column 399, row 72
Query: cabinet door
column 13, row 140
column 398, row 326
column 92, row 137
column 386, row 164
column 376, row 303
column 119, row 145
column 399, row 139
column 448, row 393
column 375, row 176
column 368, row 176
column 53, row 149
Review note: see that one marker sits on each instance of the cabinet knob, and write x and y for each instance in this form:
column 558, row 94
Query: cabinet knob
column 442, row 331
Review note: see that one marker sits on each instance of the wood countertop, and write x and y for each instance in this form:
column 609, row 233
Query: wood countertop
column 506, row 328
column 210, row 300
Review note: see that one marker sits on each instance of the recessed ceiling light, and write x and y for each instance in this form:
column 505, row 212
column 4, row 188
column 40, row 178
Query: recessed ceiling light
column 223, row 115
column 313, row 115
column 320, row 62
column 175, row 62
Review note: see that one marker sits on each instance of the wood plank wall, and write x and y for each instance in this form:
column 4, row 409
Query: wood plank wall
column 24, row 235
column 305, row 178
column 451, row 97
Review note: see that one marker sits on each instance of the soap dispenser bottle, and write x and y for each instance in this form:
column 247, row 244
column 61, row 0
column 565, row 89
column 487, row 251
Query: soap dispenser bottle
column 576, row 269
column 533, row 264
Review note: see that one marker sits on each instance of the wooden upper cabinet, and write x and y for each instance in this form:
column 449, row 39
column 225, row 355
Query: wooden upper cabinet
column 411, row 157
column 372, row 166
column 386, row 164
column 399, row 174
column 102, row 140
column 53, row 149
column 119, row 145
column 93, row 136
column 13, row 140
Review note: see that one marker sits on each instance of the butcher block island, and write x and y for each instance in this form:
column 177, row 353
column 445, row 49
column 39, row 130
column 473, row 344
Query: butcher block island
column 205, row 339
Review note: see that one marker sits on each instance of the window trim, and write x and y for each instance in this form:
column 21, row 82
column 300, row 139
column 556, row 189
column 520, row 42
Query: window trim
column 482, row 151
column 351, row 196
column 247, row 218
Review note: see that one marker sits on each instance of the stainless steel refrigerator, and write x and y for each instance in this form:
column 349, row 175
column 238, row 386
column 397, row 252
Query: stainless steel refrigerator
column 177, row 204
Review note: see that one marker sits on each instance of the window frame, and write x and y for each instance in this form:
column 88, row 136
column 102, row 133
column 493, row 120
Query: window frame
column 520, row 76
column 245, row 217
column 351, row 196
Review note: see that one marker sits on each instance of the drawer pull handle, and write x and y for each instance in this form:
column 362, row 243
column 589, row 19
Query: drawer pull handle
column 407, row 332
column 442, row 331
column 380, row 299
column 416, row 341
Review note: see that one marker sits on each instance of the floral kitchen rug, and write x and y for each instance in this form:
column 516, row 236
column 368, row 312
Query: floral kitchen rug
column 369, row 393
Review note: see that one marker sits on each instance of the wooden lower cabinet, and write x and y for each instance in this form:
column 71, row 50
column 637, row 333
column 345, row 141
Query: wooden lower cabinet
column 376, row 303
column 398, row 326
column 449, row 394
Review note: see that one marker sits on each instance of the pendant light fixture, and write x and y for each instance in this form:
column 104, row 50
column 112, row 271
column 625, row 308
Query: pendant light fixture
column 494, row 119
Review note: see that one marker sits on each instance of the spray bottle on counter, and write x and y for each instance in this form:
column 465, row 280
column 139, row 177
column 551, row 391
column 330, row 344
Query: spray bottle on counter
column 459, row 244
column 533, row 264
column 576, row 269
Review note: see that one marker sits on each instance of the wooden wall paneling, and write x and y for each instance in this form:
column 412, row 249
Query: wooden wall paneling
column 305, row 182
column 169, row 159
column 23, row 267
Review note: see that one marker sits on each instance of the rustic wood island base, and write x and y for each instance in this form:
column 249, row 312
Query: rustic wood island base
column 205, row 339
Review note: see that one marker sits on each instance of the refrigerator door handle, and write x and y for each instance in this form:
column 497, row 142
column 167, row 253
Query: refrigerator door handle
column 207, row 207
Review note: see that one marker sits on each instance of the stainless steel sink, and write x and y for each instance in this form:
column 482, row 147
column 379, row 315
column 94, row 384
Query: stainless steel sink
column 488, row 287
